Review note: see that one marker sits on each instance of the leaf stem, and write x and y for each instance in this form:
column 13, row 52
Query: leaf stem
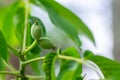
column 33, row 60
column 22, row 71
column 59, row 56
column 11, row 73
column 71, row 58
column 30, row 47
column 25, row 28
column 35, row 77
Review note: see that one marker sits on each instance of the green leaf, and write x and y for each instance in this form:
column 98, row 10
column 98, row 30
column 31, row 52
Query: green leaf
column 67, row 21
column 79, row 78
column 36, row 50
column 70, row 70
column 19, row 20
column 88, row 53
column 61, row 21
column 2, row 68
column 48, row 66
column 3, row 47
column 8, row 26
column 2, row 15
column 3, row 53
column 109, row 68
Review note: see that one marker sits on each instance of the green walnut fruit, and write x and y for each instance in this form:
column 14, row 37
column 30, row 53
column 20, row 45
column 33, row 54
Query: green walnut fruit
column 45, row 43
column 36, row 31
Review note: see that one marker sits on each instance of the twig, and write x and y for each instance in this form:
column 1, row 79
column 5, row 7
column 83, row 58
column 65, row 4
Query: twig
column 11, row 73
column 35, row 77
column 33, row 60
column 30, row 47
column 26, row 23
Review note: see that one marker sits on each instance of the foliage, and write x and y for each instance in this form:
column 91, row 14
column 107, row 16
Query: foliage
column 15, row 30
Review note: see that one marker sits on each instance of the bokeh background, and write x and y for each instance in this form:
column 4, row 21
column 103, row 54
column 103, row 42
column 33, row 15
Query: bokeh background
column 116, row 28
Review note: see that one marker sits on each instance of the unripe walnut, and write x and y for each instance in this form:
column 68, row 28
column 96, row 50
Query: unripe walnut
column 45, row 43
column 36, row 31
